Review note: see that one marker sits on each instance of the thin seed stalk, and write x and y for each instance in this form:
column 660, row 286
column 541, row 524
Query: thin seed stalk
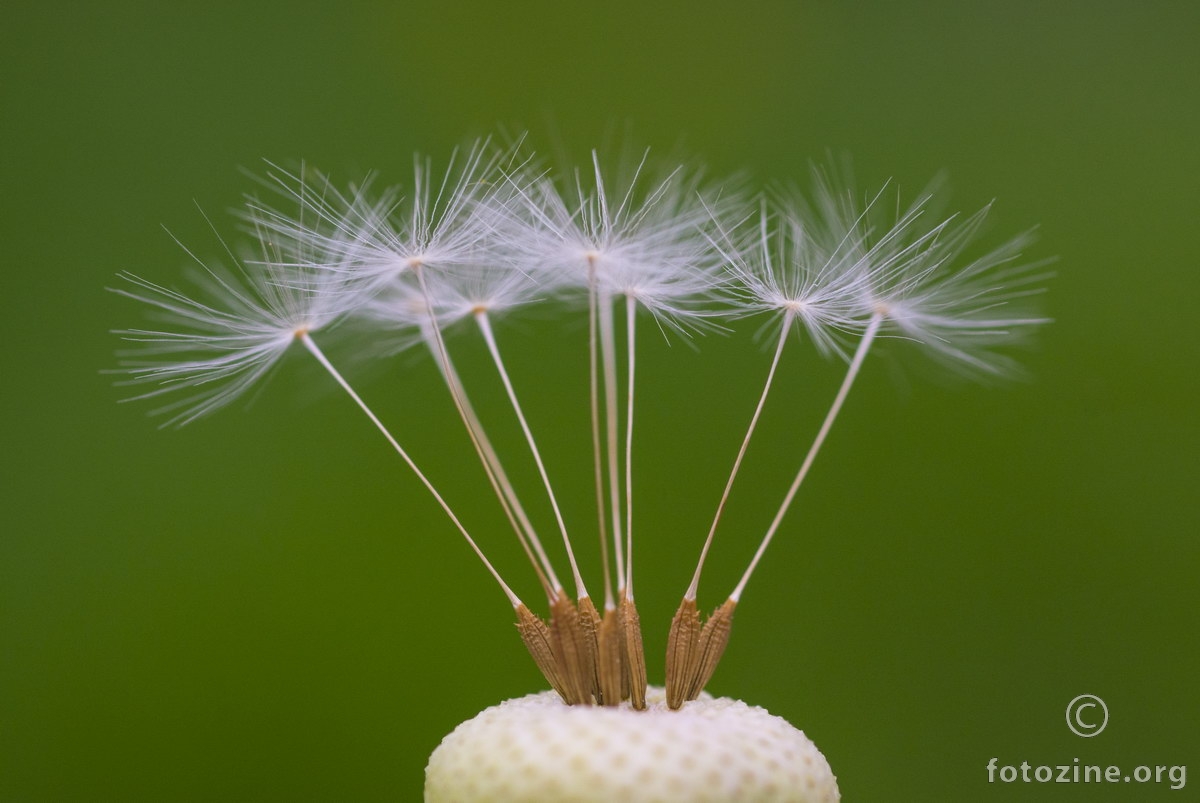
column 860, row 355
column 609, row 364
column 737, row 463
column 312, row 347
column 597, row 454
column 498, row 478
column 485, row 329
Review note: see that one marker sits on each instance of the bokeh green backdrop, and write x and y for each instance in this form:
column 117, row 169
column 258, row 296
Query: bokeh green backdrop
column 265, row 606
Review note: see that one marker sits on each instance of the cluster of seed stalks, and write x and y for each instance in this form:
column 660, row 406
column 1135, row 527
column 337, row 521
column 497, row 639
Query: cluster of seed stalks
column 496, row 233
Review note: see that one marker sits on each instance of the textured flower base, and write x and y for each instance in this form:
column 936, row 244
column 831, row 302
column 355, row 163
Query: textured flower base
column 536, row 749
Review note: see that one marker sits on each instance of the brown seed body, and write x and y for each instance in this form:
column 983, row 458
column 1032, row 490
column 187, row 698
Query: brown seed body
column 609, row 669
column 567, row 640
column 714, row 637
column 634, row 653
column 589, row 634
column 538, row 640
column 681, row 652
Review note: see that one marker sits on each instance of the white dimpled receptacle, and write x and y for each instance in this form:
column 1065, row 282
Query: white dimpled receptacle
column 536, row 748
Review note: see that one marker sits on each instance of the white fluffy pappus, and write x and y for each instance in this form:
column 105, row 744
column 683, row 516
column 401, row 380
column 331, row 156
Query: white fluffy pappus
column 225, row 338
column 640, row 235
column 800, row 269
column 929, row 283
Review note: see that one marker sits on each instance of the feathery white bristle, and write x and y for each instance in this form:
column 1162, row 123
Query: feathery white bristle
column 640, row 236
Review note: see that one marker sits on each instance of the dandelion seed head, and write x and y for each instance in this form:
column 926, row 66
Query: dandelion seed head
column 491, row 233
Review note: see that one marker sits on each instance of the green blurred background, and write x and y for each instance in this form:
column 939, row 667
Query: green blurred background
column 265, row 606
